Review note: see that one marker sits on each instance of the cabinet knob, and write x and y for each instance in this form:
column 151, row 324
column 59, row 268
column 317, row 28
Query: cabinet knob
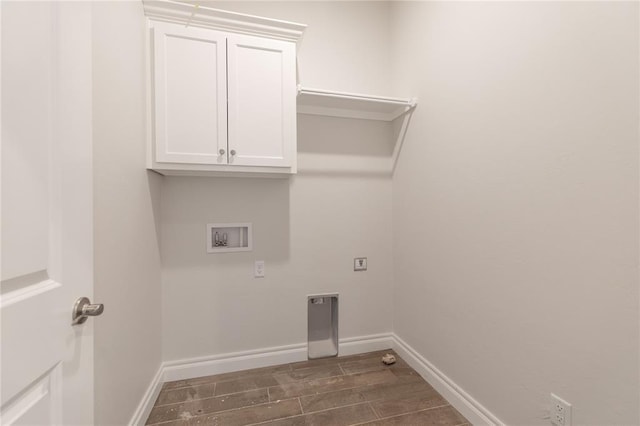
column 232, row 152
column 221, row 151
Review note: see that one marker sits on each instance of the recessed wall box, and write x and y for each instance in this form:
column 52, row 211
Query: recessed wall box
column 229, row 237
column 322, row 325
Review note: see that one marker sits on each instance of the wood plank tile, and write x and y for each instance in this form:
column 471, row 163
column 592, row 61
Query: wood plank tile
column 300, row 374
column 245, row 384
column 223, row 377
column 190, row 393
column 403, row 404
column 328, row 400
column 165, row 413
column 244, row 416
column 406, row 372
column 341, row 398
column 369, row 364
column 340, row 359
column 350, row 415
column 443, row 416
column 315, row 363
column 390, row 390
column 331, row 384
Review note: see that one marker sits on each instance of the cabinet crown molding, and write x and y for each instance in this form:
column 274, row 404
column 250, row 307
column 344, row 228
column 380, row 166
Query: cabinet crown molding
column 190, row 13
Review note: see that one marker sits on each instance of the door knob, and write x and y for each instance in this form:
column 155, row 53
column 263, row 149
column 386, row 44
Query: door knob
column 232, row 152
column 221, row 151
column 83, row 309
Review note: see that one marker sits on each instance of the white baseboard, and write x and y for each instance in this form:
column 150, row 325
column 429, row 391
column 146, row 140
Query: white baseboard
column 235, row 361
column 363, row 344
column 143, row 410
column 475, row 412
column 265, row 357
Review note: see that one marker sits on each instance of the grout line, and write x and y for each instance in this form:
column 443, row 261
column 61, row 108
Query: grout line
column 374, row 410
column 336, row 408
column 212, row 396
column 190, row 385
column 215, row 413
column 309, row 414
column 365, row 386
column 300, row 403
column 268, row 395
column 337, row 390
column 186, row 385
column 342, row 369
column 413, row 412
column 356, row 424
column 247, row 390
column 241, row 375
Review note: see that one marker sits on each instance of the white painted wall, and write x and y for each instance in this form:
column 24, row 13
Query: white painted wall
column 345, row 46
column 307, row 231
column 307, row 228
column 127, row 261
column 515, row 202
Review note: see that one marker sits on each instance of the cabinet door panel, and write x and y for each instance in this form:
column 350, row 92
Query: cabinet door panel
column 262, row 101
column 190, row 95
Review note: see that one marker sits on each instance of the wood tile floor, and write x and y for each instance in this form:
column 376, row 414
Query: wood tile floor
column 350, row 390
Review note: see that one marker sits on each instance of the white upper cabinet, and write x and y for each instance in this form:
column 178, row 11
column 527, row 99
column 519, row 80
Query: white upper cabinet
column 223, row 102
column 262, row 101
column 190, row 85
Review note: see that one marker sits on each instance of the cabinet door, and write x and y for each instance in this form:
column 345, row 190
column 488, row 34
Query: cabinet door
column 262, row 101
column 190, row 95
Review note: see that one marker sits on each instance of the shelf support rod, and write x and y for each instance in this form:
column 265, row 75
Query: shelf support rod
column 401, row 135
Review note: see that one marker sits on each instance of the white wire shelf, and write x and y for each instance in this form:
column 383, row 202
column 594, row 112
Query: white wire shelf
column 351, row 105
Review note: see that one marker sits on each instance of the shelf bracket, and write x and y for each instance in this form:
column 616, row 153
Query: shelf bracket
column 401, row 135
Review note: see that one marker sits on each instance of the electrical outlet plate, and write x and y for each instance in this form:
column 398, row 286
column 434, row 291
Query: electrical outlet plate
column 360, row 264
column 258, row 269
column 560, row 411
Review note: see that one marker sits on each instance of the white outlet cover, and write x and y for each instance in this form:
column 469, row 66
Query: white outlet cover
column 560, row 413
column 258, row 269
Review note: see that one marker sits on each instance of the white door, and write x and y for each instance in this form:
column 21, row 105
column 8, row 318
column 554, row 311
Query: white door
column 190, row 89
column 47, row 236
column 262, row 101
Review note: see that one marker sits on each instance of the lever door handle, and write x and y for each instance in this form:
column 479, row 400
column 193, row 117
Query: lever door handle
column 83, row 309
column 93, row 310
